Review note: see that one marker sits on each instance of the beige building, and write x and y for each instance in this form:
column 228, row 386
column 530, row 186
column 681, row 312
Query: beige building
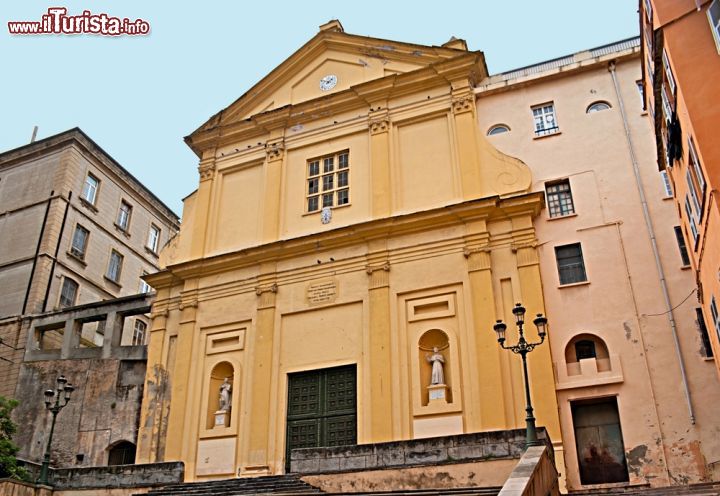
column 75, row 228
column 360, row 207
column 352, row 224
column 635, row 380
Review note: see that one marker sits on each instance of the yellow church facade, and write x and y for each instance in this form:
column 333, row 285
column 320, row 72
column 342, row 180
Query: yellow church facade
column 351, row 222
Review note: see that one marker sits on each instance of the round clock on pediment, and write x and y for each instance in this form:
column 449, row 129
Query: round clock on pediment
column 328, row 82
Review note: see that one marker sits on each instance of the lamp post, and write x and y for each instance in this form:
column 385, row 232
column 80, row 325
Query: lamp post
column 522, row 348
column 64, row 390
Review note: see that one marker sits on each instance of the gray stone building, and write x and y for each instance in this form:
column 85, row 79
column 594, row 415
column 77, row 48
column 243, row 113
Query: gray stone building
column 75, row 228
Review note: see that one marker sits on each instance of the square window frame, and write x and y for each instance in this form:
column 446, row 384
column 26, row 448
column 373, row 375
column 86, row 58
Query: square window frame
column 319, row 195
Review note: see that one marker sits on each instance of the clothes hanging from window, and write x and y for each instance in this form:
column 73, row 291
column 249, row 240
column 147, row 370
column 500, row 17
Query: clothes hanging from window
column 674, row 144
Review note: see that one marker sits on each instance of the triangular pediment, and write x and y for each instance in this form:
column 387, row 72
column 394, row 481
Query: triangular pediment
column 331, row 62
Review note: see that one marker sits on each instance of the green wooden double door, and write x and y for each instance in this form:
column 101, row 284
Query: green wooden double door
column 322, row 409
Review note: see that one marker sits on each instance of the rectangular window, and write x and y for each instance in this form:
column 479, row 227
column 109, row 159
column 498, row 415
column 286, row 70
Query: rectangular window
column 648, row 37
column 715, row 316
column 693, row 193
column 145, row 287
column 571, row 266
column 641, row 90
column 667, row 187
column 123, row 220
column 544, row 119
column 682, row 246
column 648, row 11
column 559, row 198
column 667, row 108
column 79, row 241
column 329, row 187
column 691, row 220
column 139, row 330
column 650, row 71
column 713, row 14
column 115, row 266
column 668, row 72
column 696, row 168
column 153, row 238
column 90, row 188
column 707, row 347
column 68, row 293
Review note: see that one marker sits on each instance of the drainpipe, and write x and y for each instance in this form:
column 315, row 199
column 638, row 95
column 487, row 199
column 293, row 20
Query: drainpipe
column 37, row 248
column 57, row 251
column 653, row 242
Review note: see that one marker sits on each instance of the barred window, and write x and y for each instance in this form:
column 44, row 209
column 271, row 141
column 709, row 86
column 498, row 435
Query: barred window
column 667, row 186
column 328, row 181
column 544, row 119
column 559, row 198
column 571, row 267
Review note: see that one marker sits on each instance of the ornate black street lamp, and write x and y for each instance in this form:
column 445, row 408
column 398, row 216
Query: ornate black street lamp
column 522, row 348
column 64, row 390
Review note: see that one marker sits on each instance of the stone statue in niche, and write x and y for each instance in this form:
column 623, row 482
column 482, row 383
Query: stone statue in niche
column 437, row 360
column 225, row 395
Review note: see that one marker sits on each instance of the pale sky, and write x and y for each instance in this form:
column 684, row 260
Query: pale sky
column 137, row 97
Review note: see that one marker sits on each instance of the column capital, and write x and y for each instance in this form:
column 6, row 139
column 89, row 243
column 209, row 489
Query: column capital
column 275, row 150
column 478, row 258
column 462, row 103
column 266, row 295
column 206, row 169
column 379, row 125
column 379, row 275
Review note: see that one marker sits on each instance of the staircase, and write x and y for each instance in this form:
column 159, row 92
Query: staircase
column 274, row 484
column 705, row 489
column 292, row 484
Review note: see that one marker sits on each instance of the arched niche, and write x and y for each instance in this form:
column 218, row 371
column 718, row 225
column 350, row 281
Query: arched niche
column 586, row 346
column 434, row 338
column 218, row 374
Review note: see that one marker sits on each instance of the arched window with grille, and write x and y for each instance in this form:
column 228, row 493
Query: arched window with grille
column 122, row 453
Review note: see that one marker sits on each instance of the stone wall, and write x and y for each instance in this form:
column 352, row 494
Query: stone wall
column 430, row 451
column 119, row 476
column 104, row 409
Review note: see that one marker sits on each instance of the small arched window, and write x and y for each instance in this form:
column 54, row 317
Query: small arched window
column 122, row 453
column 498, row 129
column 597, row 107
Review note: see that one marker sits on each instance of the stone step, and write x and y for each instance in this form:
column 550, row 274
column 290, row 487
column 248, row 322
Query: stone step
column 703, row 489
column 292, row 485
column 461, row 491
column 274, row 484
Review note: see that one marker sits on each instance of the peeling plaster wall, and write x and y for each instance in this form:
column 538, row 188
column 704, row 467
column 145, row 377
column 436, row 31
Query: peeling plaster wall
column 104, row 409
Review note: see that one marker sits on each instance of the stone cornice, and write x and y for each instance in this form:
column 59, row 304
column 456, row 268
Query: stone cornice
column 86, row 146
column 465, row 212
column 220, row 132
